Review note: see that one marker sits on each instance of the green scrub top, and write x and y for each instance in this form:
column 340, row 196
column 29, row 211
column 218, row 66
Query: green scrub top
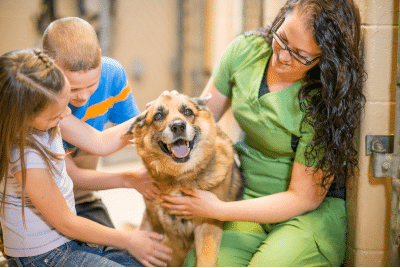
column 271, row 123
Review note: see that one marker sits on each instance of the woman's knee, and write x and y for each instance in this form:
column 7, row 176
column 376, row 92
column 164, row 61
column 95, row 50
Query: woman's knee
column 296, row 255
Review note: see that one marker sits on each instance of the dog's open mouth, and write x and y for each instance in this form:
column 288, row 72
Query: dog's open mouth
column 179, row 150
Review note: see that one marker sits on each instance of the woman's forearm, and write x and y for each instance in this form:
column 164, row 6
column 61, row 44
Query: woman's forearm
column 268, row 209
column 303, row 195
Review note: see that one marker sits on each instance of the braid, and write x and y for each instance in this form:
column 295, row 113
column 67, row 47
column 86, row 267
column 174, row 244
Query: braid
column 45, row 59
column 45, row 70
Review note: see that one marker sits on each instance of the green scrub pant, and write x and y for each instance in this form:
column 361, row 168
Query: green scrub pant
column 317, row 238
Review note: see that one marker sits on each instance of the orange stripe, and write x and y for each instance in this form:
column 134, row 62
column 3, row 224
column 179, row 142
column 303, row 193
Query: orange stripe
column 102, row 107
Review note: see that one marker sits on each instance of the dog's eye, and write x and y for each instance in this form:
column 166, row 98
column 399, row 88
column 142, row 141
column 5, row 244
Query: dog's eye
column 188, row 112
column 157, row 116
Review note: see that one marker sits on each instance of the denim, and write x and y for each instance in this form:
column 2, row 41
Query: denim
column 77, row 254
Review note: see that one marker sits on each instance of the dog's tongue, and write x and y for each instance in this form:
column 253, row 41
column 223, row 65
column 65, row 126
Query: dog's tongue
column 180, row 150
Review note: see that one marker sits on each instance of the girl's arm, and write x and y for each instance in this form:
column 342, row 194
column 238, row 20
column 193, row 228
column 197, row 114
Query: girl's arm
column 101, row 143
column 48, row 199
column 88, row 179
column 303, row 195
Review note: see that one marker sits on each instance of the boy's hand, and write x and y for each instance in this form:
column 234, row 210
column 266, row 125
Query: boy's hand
column 143, row 183
column 145, row 246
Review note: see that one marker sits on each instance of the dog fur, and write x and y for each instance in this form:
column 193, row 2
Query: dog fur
column 181, row 146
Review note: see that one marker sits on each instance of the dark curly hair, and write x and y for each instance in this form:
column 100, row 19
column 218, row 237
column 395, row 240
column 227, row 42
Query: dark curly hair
column 332, row 97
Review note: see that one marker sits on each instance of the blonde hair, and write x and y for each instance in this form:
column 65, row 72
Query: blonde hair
column 29, row 83
column 72, row 43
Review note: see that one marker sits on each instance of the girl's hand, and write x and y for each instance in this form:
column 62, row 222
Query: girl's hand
column 145, row 246
column 196, row 204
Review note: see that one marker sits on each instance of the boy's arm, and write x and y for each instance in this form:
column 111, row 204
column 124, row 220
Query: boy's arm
column 102, row 143
column 48, row 199
column 88, row 179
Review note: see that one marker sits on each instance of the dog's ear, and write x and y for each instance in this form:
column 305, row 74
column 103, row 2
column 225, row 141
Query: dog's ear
column 201, row 103
column 137, row 123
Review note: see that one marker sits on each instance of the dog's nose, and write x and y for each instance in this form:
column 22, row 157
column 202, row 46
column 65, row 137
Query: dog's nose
column 178, row 128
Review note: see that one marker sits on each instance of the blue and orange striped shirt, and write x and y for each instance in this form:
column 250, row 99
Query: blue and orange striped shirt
column 112, row 101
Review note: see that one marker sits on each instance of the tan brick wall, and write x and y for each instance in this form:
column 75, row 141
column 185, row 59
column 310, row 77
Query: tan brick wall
column 369, row 198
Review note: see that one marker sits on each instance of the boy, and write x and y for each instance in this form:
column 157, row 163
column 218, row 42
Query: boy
column 99, row 93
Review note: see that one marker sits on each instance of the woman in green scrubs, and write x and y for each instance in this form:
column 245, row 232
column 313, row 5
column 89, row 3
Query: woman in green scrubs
column 296, row 92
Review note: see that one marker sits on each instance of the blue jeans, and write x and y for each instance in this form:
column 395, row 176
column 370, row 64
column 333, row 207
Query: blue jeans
column 77, row 254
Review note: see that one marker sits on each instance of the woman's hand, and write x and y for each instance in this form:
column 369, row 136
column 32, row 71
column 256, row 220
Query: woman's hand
column 196, row 204
column 145, row 246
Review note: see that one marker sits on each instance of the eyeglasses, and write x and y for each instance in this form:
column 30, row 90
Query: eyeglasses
column 282, row 44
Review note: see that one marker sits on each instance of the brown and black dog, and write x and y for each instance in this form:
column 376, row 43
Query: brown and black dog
column 181, row 146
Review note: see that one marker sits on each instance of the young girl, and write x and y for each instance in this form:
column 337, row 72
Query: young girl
column 38, row 217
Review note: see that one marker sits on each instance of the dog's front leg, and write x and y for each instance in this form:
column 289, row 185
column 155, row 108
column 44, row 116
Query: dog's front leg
column 207, row 239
